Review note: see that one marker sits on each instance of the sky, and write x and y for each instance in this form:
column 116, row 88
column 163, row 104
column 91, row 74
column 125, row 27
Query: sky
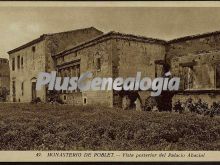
column 19, row 25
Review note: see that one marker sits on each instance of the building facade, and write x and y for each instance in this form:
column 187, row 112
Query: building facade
column 110, row 55
column 195, row 59
column 28, row 60
column 4, row 79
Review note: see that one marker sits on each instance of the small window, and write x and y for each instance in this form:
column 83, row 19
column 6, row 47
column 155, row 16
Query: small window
column 84, row 101
column 22, row 62
column 18, row 62
column 98, row 64
column 33, row 48
column 13, row 64
column 22, row 88
column 13, row 88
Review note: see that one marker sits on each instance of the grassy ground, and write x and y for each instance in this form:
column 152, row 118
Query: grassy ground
column 63, row 127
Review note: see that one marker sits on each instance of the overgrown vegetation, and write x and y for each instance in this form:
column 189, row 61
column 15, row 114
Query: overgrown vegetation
column 65, row 127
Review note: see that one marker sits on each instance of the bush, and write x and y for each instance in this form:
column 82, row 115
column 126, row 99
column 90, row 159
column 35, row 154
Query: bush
column 36, row 100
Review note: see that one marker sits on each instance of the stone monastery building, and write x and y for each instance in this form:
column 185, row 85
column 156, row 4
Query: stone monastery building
column 28, row 60
column 196, row 59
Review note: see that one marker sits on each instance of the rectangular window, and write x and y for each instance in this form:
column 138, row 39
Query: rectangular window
column 13, row 88
column 13, row 64
column 22, row 88
column 22, row 62
column 98, row 64
column 78, row 75
column 33, row 49
column 18, row 62
column 217, row 79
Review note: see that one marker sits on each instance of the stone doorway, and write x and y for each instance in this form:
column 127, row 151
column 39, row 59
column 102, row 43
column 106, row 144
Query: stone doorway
column 33, row 88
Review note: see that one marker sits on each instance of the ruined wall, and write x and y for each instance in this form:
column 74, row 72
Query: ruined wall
column 33, row 63
column 203, row 54
column 203, row 71
column 193, row 46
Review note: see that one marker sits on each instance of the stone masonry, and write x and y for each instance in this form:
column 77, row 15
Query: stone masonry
column 196, row 59
column 4, row 79
column 28, row 60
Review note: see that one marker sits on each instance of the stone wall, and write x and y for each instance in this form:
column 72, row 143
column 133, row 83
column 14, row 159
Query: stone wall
column 130, row 57
column 194, row 45
column 102, row 51
column 37, row 58
column 4, row 73
column 118, row 58
column 33, row 63
column 88, row 62
column 59, row 42
column 4, row 79
column 196, row 58
column 74, row 98
column 203, row 70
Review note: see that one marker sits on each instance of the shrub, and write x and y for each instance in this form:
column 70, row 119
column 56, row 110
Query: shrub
column 67, row 127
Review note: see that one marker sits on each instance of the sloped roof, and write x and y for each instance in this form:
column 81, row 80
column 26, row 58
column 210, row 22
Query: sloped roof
column 111, row 35
column 42, row 37
column 190, row 37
